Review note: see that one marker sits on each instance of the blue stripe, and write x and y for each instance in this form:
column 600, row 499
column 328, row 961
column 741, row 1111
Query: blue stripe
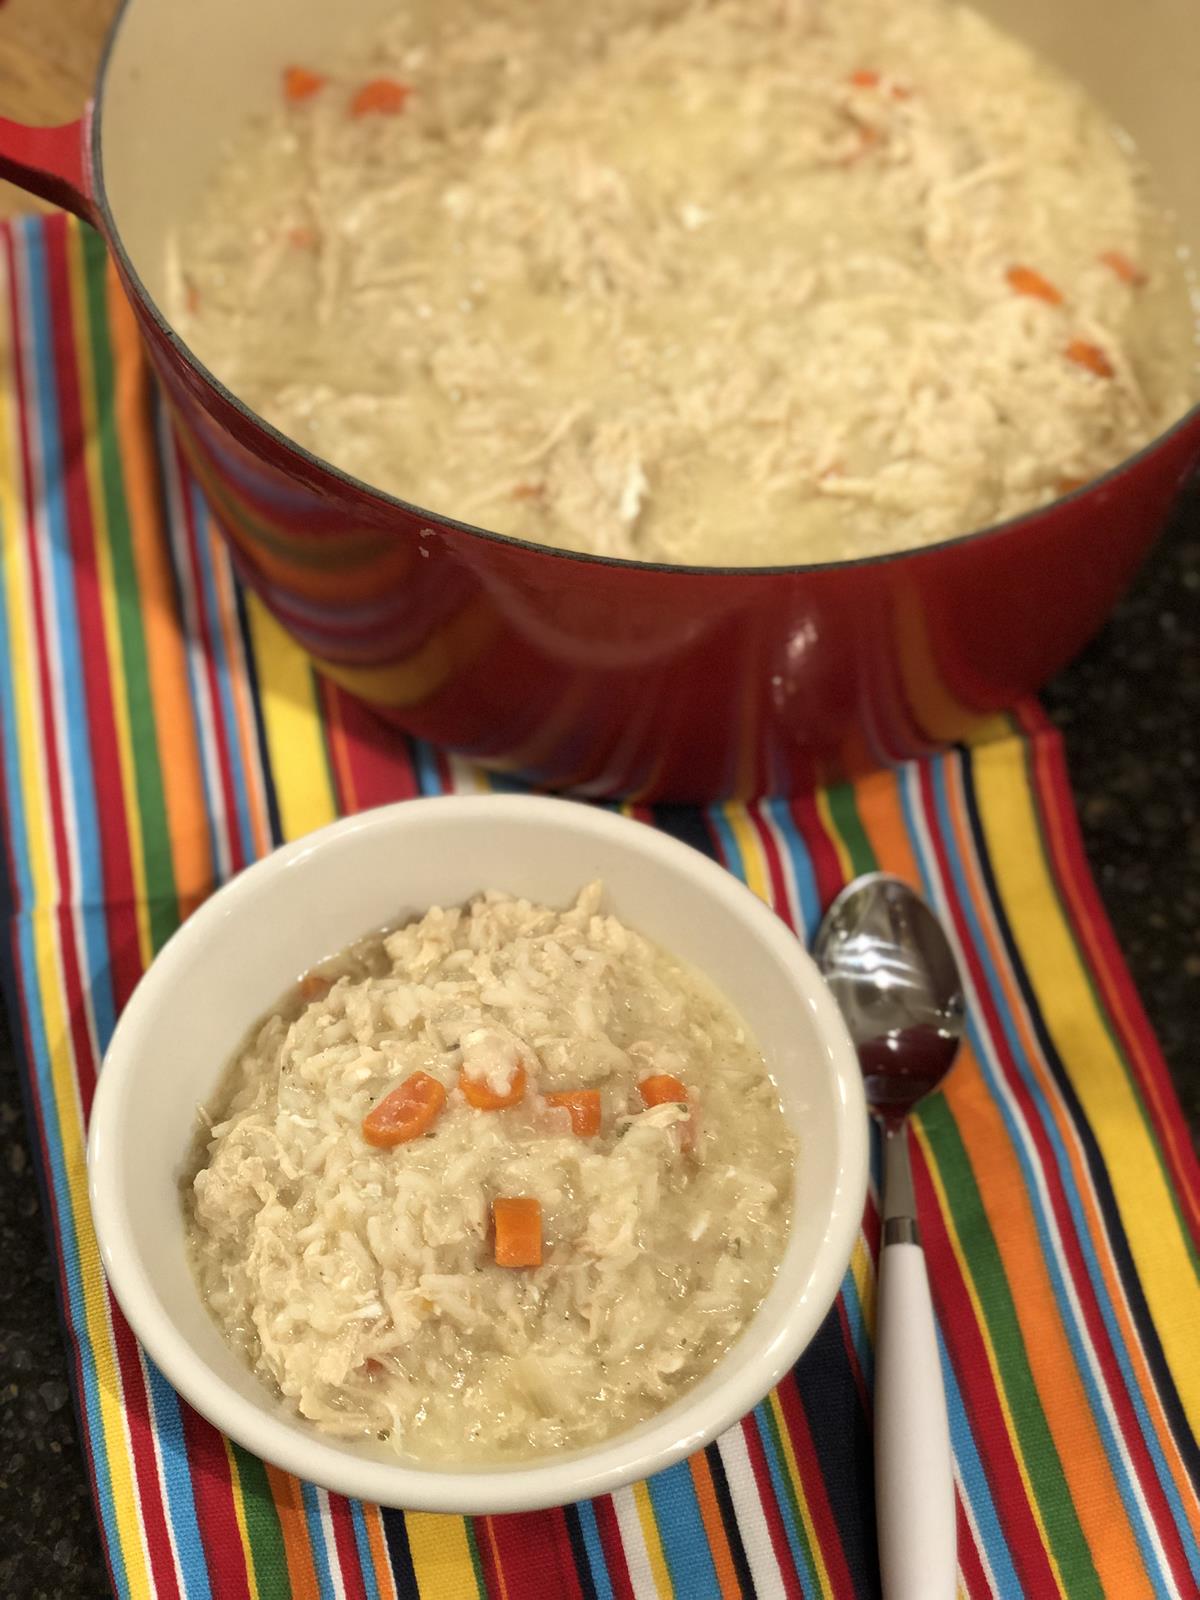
column 802, row 868
column 681, row 1529
column 362, row 1542
column 974, row 1481
column 177, row 1476
column 316, row 1534
column 88, row 864
column 732, row 855
column 425, row 762
column 595, row 1550
column 224, row 669
column 856, row 1322
column 993, row 1076
column 764, row 1422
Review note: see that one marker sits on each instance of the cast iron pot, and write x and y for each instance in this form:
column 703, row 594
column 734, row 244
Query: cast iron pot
column 607, row 676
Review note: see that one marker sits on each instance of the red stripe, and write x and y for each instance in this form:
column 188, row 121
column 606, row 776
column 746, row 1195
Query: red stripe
column 1086, row 914
column 115, row 845
column 964, row 1341
column 827, row 869
column 216, row 1514
column 615, row 1563
column 208, row 627
column 378, row 757
column 535, row 1555
column 824, row 1523
column 347, row 1548
column 770, row 1509
column 970, row 1564
column 781, row 899
column 1047, row 1157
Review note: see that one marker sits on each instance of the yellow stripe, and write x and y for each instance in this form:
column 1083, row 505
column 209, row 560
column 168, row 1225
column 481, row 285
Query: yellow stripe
column 115, row 1444
column 293, row 725
column 986, row 1336
column 750, row 846
column 810, row 1532
column 654, row 1550
column 1093, row 1063
column 239, row 1511
column 108, row 590
column 441, row 1556
column 863, row 1270
column 845, row 861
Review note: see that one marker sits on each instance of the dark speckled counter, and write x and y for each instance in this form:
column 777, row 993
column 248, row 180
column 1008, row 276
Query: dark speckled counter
column 1129, row 710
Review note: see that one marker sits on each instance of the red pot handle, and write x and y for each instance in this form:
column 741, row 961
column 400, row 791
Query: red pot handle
column 53, row 163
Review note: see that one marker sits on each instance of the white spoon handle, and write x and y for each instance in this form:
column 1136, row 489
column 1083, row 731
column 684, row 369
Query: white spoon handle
column 914, row 1474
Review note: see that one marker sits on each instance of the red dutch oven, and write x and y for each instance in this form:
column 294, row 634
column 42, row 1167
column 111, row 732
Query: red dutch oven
column 607, row 676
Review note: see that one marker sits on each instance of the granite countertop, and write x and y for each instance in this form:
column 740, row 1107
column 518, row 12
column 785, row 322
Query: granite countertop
column 1129, row 710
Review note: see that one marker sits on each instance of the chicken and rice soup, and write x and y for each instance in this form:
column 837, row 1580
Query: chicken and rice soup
column 503, row 1180
column 716, row 281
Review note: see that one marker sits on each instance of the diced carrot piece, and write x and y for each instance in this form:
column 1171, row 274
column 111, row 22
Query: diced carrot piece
column 1024, row 280
column 191, row 296
column 314, row 986
column 1069, row 485
column 517, row 1222
column 1128, row 271
column 1090, row 356
column 480, row 1095
column 528, row 491
column 303, row 238
column 301, row 84
column 381, row 96
column 405, row 1113
column 900, row 91
column 660, row 1089
column 584, row 1107
column 865, row 78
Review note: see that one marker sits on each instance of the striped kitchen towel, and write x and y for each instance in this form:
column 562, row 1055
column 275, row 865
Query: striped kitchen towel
column 158, row 732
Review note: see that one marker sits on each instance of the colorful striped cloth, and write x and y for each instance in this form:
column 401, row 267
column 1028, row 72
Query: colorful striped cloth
column 158, row 732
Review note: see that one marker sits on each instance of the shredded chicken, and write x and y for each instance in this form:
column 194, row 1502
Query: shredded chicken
column 696, row 280
column 360, row 1282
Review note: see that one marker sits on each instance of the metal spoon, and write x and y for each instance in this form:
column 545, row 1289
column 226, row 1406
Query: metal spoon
column 886, row 957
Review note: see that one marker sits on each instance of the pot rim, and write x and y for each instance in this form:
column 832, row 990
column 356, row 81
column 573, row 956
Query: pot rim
column 1189, row 421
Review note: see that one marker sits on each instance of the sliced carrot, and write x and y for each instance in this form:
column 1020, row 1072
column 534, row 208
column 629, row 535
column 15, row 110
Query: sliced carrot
column 313, row 986
column 405, row 1113
column 301, row 84
column 1128, row 271
column 381, row 96
column 480, row 1095
column 517, row 1222
column 661, row 1089
column 864, row 78
column 1089, row 356
column 1024, row 280
column 584, row 1107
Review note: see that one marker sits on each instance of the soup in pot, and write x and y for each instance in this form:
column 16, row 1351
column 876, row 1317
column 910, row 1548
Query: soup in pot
column 731, row 281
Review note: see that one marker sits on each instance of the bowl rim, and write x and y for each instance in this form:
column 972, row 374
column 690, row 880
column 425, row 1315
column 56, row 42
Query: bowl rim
column 652, row 1445
column 445, row 521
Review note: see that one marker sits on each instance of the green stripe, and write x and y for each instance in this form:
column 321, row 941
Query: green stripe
column 262, row 1526
column 1100, row 1005
column 476, row 1562
column 157, row 865
column 764, row 1416
column 843, row 809
column 1042, row 1463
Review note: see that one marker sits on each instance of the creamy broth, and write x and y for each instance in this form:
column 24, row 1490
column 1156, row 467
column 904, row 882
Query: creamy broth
column 750, row 281
column 368, row 1284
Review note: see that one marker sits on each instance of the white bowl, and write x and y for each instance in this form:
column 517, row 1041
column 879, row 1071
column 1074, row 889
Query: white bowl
column 245, row 945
